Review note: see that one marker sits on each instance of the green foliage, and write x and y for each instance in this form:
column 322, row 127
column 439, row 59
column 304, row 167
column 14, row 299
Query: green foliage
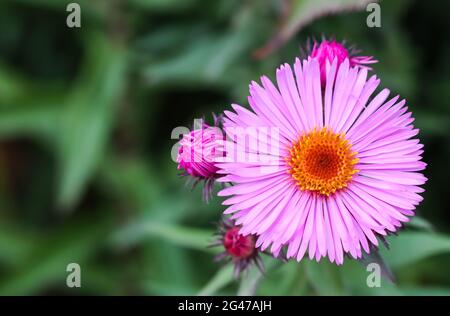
column 85, row 122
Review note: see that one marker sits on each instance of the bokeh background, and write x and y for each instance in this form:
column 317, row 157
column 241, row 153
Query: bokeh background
column 86, row 116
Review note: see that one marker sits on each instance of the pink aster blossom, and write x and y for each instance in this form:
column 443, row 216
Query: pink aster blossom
column 197, row 155
column 327, row 51
column 347, row 163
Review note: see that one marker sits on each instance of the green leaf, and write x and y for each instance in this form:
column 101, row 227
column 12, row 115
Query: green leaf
column 426, row 291
column 29, row 121
column 167, row 270
column 46, row 265
column 209, row 59
column 16, row 243
column 163, row 5
column 93, row 9
column 421, row 223
column 87, row 119
column 153, row 287
column 324, row 277
column 13, row 86
column 300, row 13
column 410, row 247
column 103, row 278
column 129, row 179
column 354, row 280
column 220, row 280
column 192, row 238
column 251, row 279
column 249, row 282
column 288, row 279
column 205, row 60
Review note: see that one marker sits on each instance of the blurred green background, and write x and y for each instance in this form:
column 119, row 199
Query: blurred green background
column 86, row 116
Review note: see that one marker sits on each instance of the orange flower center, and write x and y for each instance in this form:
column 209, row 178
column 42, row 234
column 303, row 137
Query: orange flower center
column 322, row 161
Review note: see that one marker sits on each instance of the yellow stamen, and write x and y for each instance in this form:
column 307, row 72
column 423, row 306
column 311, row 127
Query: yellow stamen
column 322, row 161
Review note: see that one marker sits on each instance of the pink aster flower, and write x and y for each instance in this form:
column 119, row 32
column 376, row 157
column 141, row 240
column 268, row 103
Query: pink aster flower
column 198, row 152
column 347, row 165
column 327, row 51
